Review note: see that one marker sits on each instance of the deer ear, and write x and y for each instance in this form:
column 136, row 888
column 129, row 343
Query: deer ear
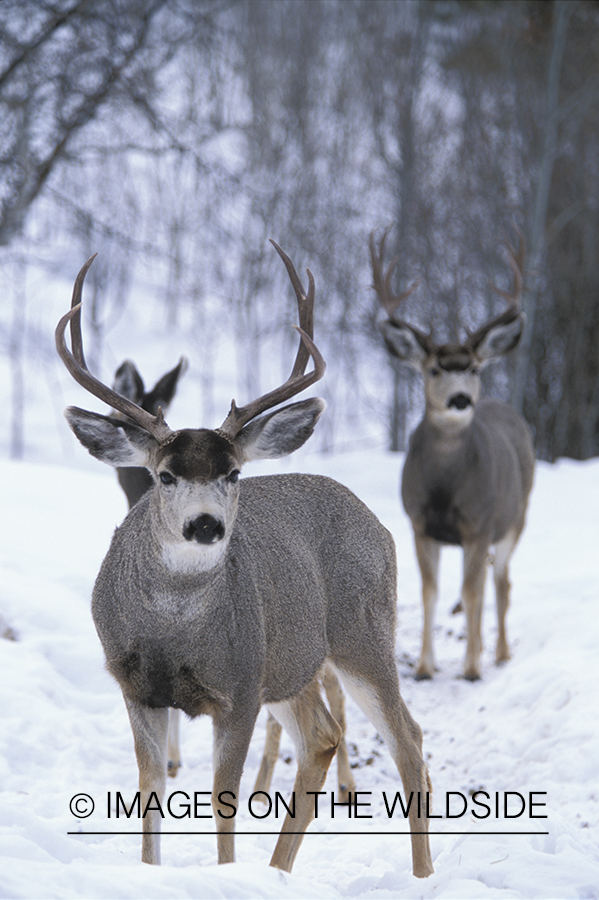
column 111, row 440
column 164, row 390
column 403, row 344
column 128, row 382
column 500, row 339
column 281, row 432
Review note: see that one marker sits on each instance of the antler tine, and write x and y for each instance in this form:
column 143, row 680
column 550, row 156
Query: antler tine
column 297, row 381
column 75, row 363
column 516, row 263
column 76, row 339
column 305, row 308
column 382, row 285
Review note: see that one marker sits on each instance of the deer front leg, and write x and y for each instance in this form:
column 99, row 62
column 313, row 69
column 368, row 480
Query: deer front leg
column 315, row 735
column 336, row 700
column 150, row 728
column 503, row 553
column 427, row 554
column 232, row 734
column 174, row 752
column 473, row 589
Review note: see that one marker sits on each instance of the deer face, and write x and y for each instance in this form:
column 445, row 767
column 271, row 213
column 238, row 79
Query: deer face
column 451, row 372
column 195, row 472
column 194, row 500
column 451, row 384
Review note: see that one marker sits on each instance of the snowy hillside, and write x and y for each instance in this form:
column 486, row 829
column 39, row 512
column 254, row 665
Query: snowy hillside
column 531, row 726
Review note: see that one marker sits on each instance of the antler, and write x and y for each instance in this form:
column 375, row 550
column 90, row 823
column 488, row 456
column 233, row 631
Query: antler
column 297, row 381
column 513, row 297
column 516, row 262
column 382, row 285
column 75, row 363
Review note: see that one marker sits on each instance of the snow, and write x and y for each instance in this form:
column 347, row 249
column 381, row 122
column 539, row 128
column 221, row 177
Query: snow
column 529, row 726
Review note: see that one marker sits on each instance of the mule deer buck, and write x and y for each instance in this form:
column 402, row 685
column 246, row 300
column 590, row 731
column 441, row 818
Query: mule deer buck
column 219, row 595
column 469, row 467
column 135, row 482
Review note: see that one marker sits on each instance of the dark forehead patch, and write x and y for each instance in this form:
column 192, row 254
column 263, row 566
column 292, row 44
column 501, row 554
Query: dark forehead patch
column 454, row 357
column 197, row 453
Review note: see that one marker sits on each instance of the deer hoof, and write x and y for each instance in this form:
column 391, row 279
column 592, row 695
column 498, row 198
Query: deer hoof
column 423, row 675
column 472, row 675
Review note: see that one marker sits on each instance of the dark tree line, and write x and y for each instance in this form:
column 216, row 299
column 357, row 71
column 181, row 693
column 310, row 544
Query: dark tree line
column 176, row 136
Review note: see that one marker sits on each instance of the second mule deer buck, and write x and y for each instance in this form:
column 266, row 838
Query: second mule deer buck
column 469, row 467
column 218, row 595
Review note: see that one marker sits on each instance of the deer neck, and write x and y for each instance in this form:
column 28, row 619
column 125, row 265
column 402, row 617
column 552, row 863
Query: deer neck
column 448, row 430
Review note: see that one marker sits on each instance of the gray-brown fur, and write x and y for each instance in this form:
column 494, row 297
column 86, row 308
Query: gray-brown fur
column 469, row 466
column 203, row 625
column 307, row 578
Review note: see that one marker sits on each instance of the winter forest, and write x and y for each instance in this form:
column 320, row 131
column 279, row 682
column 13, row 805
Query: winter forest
column 175, row 137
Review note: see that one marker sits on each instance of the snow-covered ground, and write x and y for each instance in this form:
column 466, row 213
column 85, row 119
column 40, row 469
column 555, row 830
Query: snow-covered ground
column 530, row 726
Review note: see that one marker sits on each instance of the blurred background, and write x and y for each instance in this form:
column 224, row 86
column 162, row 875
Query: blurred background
column 175, row 137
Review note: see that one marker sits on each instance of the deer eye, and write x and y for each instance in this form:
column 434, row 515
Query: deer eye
column 233, row 477
column 167, row 478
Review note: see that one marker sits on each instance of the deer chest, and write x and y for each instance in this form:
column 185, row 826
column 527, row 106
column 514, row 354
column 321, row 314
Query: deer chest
column 441, row 517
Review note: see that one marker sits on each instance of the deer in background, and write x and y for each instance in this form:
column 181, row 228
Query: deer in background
column 135, row 481
column 218, row 595
column 469, row 467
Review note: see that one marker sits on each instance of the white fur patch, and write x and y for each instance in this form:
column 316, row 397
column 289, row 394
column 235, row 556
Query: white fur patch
column 365, row 696
column 187, row 557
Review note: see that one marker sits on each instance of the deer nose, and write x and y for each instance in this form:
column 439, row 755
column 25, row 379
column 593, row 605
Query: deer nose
column 459, row 401
column 206, row 529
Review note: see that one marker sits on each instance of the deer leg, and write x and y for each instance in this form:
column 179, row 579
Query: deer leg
column 174, row 753
column 316, row 736
column 376, row 691
column 336, row 700
column 232, row 733
column 503, row 553
column 269, row 756
column 473, row 589
column 427, row 554
column 150, row 726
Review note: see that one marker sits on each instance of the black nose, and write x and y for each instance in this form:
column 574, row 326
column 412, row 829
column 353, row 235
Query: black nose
column 205, row 529
column 459, row 401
